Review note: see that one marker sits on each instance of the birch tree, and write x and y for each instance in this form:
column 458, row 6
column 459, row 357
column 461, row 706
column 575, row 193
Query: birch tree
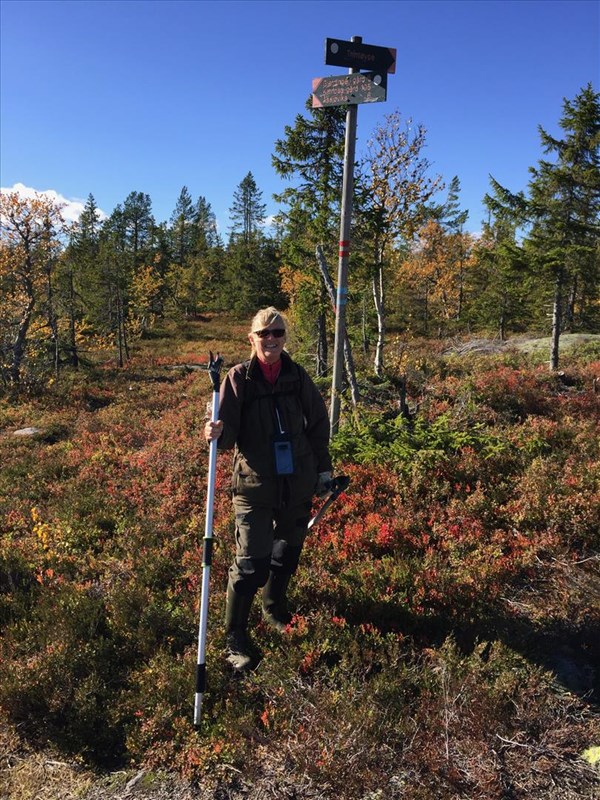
column 30, row 229
column 396, row 186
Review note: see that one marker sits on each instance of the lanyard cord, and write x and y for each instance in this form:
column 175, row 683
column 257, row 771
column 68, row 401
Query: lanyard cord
column 277, row 414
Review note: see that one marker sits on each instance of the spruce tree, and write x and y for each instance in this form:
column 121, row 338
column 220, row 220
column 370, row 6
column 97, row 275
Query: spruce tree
column 251, row 275
column 182, row 227
column 560, row 217
column 564, row 201
column 248, row 212
column 79, row 274
column 311, row 157
column 206, row 234
column 499, row 283
column 208, row 257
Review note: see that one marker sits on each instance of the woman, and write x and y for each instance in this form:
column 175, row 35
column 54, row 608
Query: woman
column 272, row 413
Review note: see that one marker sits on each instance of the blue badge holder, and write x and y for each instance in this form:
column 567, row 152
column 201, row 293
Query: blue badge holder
column 284, row 457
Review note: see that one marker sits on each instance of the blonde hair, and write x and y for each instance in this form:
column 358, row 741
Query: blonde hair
column 265, row 317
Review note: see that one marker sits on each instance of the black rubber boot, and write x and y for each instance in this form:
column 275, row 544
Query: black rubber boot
column 274, row 601
column 240, row 652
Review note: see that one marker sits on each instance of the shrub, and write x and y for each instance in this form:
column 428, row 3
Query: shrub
column 408, row 671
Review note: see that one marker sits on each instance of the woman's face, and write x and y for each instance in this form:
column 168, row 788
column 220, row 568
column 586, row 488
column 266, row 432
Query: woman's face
column 267, row 345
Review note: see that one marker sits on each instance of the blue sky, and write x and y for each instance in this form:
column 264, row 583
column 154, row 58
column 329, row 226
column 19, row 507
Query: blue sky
column 113, row 96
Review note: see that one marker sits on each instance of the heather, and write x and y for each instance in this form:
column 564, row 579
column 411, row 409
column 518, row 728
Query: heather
column 447, row 632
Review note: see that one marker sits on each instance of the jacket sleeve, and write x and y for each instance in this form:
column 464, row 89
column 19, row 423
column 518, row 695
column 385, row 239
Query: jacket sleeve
column 230, row 408
column 317, row 422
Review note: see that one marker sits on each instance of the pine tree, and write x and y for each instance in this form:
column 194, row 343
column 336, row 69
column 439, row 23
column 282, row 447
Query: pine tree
column 138, row 226
column 125, row 249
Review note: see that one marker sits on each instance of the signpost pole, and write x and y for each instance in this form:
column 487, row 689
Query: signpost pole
column 344, row 255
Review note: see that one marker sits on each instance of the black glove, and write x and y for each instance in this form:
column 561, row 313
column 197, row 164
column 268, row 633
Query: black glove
column 323, row 484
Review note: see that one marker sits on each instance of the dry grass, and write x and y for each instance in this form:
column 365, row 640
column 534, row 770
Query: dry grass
column 27, row 775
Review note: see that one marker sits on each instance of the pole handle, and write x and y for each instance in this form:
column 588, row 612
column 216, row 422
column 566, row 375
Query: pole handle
column 338, row 485
column 214, row 368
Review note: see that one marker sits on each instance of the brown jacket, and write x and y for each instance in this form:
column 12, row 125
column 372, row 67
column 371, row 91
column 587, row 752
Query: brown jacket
column 247, row 408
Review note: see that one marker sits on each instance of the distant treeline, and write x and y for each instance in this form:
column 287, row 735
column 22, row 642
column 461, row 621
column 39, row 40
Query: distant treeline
column 415, row 270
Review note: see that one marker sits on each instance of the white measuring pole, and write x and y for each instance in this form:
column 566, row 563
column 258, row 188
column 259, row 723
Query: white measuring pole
column 214, row 367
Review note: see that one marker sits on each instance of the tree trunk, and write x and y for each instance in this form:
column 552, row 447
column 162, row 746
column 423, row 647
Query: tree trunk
column 120, row 342
column 21, row 338
column 74, row 355
column 379, row 298
column 348, row 359
column 125, row 334
column 570, row 310
column 502, row 326
column 53, row 322
column 556, row 322
column 322, row 353
column 365, row 336
column 461, row 290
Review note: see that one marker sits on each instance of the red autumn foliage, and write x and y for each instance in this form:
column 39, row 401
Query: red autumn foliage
column 428, row 594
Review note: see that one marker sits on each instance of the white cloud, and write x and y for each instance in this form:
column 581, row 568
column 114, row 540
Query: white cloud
column 71, row 209
column 270, row 220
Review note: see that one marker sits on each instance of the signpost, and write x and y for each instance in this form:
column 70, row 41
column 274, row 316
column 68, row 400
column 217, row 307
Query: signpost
column 357, row 87
column 357, row 55
column 349, row 90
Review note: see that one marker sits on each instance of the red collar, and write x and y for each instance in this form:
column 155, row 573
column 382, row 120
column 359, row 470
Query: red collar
column 270, row 371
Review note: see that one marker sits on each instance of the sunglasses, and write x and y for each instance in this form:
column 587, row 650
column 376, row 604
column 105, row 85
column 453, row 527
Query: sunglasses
column 276, row 332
